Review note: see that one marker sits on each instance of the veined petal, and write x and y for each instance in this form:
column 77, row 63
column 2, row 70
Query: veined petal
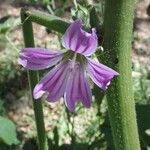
column 74, row 27
column 78, row 40
column 86, row 93
column 100, row 74
column 39, row 58
column 77, row 89
column 54, row 83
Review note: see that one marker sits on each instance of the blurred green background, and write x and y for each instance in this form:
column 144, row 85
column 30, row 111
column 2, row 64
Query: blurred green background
column 86, row 129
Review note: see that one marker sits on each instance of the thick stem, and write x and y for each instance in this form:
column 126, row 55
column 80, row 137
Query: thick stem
column 33, row 79
column 118, row 22
column 47, row 20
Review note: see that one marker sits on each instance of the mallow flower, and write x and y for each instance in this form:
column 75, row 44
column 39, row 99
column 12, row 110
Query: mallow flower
column 72, row 68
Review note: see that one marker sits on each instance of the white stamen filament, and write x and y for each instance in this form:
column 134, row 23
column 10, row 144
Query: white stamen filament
column 73, row 60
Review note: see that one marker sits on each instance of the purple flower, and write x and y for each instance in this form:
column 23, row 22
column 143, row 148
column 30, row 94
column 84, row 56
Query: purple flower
column 69, row 77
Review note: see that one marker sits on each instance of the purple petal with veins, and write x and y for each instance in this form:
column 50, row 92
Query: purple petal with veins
column 78, row 40
column 39, row 58
column 100, row 74
column 77, row 89
column 54, row 83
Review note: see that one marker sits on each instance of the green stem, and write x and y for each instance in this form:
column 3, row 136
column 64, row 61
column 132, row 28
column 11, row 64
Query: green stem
column 49, row 21
column 75, row 4
column 33, row 79
column 118, row 24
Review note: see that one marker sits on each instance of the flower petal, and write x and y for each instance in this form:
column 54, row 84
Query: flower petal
column 100, row 74
column 39, row 58
column 54, row 83
column 77, row 89
column 74, row 27
column 79, row 40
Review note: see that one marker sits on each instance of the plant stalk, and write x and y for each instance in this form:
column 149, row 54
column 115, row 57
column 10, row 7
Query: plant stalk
column 33, row 79
column 118, row 25
column 50, row 21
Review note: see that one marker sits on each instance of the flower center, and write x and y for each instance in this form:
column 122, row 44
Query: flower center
column 74, row 57
column 73, row 61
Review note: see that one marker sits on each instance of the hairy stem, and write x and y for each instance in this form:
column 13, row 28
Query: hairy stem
column 118, row 23
column 47, row 20
column 33, row 79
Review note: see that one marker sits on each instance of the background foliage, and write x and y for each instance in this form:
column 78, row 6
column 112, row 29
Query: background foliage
column 85, row 129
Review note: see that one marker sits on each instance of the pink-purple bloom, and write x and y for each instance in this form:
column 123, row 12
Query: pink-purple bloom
column 72, row 68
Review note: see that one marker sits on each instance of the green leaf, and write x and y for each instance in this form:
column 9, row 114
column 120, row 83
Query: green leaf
column 82, row 13
column 7, row 23
column 143, row 119
column 8, row 131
